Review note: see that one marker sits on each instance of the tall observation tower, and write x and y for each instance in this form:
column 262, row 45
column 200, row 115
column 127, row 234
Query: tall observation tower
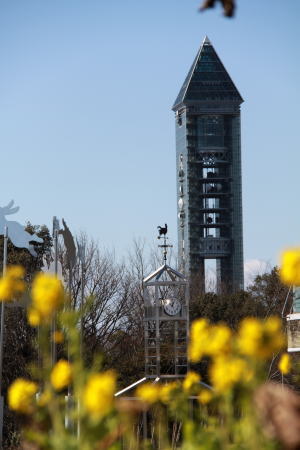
column 209, row 181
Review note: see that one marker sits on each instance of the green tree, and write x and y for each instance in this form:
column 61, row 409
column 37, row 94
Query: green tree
column 268, row 290
column 266, row 296
column 227, row 308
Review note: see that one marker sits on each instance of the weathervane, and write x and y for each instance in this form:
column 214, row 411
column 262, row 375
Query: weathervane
column 163, row 235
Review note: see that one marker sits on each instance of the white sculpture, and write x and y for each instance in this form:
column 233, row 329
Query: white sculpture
column 16, row 232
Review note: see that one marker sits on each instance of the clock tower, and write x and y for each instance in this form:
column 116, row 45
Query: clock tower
column 166, row 320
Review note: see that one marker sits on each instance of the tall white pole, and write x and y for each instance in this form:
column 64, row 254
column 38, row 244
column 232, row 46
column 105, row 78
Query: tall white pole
column 82, row 261
column 54, row 356
column 82, row 299
column 5, row 239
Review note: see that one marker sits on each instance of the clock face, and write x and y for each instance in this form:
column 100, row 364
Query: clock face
column 172, row 306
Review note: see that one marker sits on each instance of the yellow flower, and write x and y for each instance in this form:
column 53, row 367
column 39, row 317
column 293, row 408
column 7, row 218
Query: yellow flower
column 44, row 398
column 205, row 396
column 21, row 395
column 12, row 285
column 274, row 335
column 198, row 338
column 290, row 266
column 219, row 340
column 33, row 317
column 47, row 294
column 58, row 337
column 98, row 394
column 260, row 339
column 15, row 272
column 250, row 336
column 285, row 364
column 148, row 392
column 61, row 375
column 6, row 289
column 191, row 379
column 226, row 372
column 208, row 340
column 166, row 391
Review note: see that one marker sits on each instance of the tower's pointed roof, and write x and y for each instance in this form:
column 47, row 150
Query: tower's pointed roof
column 207, row 80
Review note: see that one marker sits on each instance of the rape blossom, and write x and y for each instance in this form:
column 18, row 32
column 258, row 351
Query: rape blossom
column 98, row 394
column 58, row 337
column 226, row 371
column 208, row 340
column 284, row 364
column 61, row 375
column 290, row 266
column 205, row 396
column 167, row 390
column 12, row 284
column 260, row 339
column 47, row 295
column 148, row 392
column 191, row 379
column 33, row 317
column 21, row 395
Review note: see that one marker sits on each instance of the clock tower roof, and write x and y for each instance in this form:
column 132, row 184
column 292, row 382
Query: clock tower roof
column 163, row 272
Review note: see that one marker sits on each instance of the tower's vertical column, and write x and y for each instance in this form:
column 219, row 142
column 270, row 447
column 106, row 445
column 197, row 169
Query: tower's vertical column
column 237, row 213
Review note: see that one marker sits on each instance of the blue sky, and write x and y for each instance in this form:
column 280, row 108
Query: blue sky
column 86, row 127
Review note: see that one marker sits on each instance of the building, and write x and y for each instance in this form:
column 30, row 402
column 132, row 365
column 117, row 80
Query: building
column 209, row 181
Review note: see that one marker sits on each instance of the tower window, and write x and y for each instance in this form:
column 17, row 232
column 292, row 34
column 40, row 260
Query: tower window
column 210, row 131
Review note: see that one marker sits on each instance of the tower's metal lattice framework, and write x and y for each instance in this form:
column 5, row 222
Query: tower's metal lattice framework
column 209, row 181
column 166, row 323
column 166, row 327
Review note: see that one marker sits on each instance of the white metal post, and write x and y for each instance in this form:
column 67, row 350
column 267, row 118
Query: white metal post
column 54, row 356
column 81, row 252
column 5, row 239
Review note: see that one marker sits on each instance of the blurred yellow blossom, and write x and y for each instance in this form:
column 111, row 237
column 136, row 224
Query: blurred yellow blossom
column 47, row 294
column 149, row 392
column 15, row 272
column 285, row 364
column 260, row 339
column 6, row 289
column 58, row 337
column 191, row 379
column 272, row 325
column 205, row 396
column 226, row 371
column 33, row 317
column 12, row 284
column 167, row 390
column 98, row 394
column 219, row 340
column 208, row 340
column 61, row 374
column 250, row 336
column 198, row 338
column 290, row 266
column 21, row 395
column 44, row 398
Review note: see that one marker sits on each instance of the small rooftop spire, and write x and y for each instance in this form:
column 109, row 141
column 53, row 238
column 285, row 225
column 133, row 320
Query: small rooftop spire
column 206, row 40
